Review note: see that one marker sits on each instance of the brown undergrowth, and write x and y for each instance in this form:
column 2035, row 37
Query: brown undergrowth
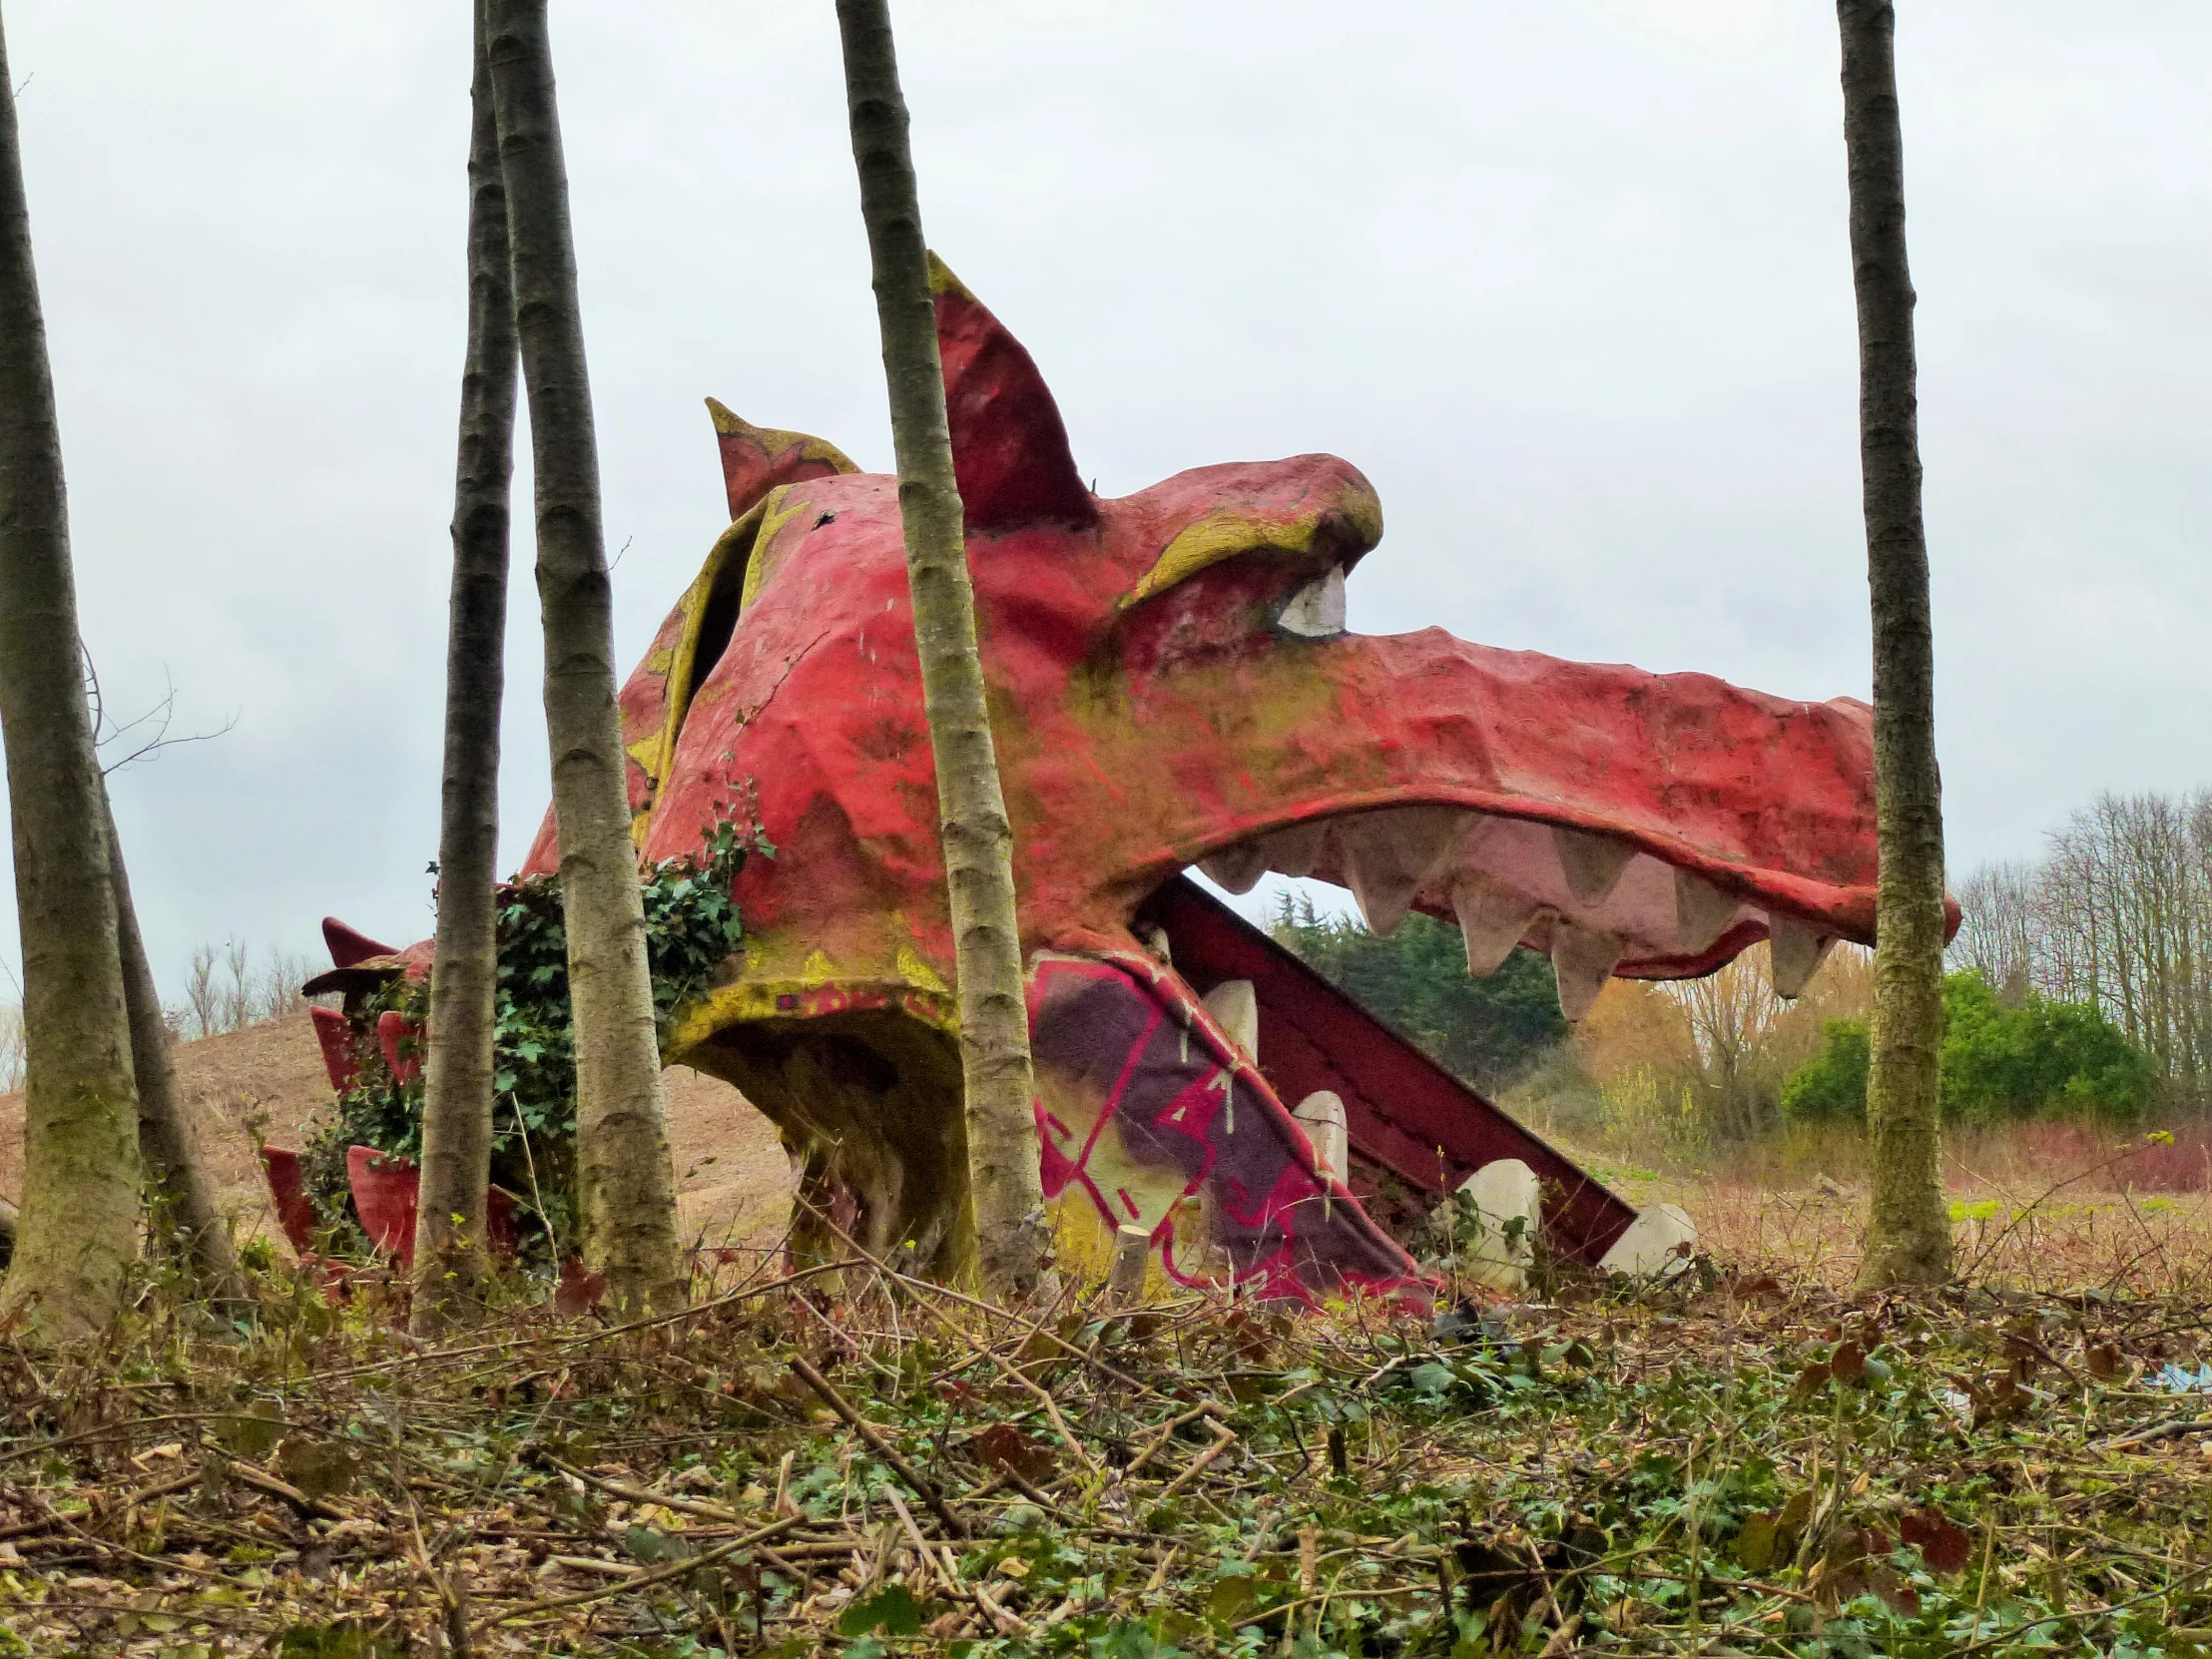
column 853, row 1462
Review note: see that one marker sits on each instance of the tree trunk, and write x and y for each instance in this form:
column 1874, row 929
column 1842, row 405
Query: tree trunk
column 625, row 1182
column 79, row 1226
column 176, row 1177
column 464, row 975
column 1907, row 1223
column 1014, row 1237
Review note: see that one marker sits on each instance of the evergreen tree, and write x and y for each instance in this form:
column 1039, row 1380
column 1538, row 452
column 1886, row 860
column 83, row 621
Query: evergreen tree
column 1486, row 1032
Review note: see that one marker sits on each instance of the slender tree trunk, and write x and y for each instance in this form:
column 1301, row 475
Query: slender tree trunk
column 626, row 1184
column 1907, row 1223
column 79, row 1225
column 175, row 1176
column 464, row 975
column 1015, row 1239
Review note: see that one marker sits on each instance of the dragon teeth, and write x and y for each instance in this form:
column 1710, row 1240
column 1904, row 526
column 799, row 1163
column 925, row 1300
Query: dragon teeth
column 1795, row 952
column 1388, row 854
column 1296, row 850
column 1322, row 1115
column 1592, row 863
column 1702, row 911
column 1235, row 1006
column 1236, row 869
column 1491, row 922
column 1582, row 961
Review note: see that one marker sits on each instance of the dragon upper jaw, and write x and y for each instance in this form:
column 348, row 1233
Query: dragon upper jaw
column 1629, row 824
column 1596, row 904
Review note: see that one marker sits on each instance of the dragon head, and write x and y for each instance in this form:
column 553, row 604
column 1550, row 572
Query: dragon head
column 1172, row 683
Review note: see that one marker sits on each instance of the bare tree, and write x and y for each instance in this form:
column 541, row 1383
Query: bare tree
column 2124, row 920
column 203, row 1001
column 11, row 1046
column 1732, row 1016
column 237, row 986
column 176, row 1185
column 1014, row 1237
column 625, row 1177
column 1998, row 937
column 277, row 986
column 464, row 975
column 78, row 1230
column 1908, row 1222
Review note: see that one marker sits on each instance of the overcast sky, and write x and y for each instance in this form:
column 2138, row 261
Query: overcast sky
column 1568, row 279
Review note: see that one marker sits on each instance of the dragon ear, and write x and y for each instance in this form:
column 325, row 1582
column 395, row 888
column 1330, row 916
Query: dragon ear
column 754, row 460
column 1009, row 449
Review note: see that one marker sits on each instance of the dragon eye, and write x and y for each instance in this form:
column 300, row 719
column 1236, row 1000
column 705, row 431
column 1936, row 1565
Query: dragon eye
column 1316, row 610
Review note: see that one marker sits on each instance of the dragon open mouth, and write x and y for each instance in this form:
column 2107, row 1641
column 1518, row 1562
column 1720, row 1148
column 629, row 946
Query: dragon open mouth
column 1172, row 683
column 1594, row 903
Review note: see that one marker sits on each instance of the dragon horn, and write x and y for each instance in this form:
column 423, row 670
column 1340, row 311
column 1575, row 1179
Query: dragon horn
column 754, row 460
column 1009, row 448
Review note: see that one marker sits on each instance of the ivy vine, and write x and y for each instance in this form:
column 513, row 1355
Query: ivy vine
column 692, row 927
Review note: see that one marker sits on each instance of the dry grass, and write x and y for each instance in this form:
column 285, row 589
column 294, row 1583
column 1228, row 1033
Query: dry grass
column 1737, row 1464
column 2048, row 1243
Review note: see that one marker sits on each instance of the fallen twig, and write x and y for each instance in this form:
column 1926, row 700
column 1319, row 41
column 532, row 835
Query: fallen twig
column 2171, row 1429
column 880, row 1447
column 641, row 1580
column 1224, row 1438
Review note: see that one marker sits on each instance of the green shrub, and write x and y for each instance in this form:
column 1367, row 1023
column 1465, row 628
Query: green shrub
column 1833, row 1084
column 2041, row 1058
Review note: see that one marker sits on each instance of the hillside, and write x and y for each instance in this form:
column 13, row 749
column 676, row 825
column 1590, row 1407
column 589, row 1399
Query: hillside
column 732, row 1177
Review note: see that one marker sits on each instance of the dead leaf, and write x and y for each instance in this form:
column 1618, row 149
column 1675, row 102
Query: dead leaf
column 578, row 1290
column 1945, row 1546
column 1893, row 1588
column 320, row 1468
column 1003, row 1447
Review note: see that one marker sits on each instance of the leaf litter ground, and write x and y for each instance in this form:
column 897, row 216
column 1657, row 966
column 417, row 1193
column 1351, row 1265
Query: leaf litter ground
column 1745, row 1464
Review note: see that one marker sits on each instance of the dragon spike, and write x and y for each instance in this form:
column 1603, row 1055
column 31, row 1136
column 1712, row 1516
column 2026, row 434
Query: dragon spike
column 348, row 945
column 1009, row 448
column 754, row 460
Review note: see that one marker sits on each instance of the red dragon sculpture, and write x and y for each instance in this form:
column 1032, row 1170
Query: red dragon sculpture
column 1172, row 683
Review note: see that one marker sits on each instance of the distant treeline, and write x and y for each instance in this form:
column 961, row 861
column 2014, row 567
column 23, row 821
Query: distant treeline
column 2116, row 916
column 226, row 989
